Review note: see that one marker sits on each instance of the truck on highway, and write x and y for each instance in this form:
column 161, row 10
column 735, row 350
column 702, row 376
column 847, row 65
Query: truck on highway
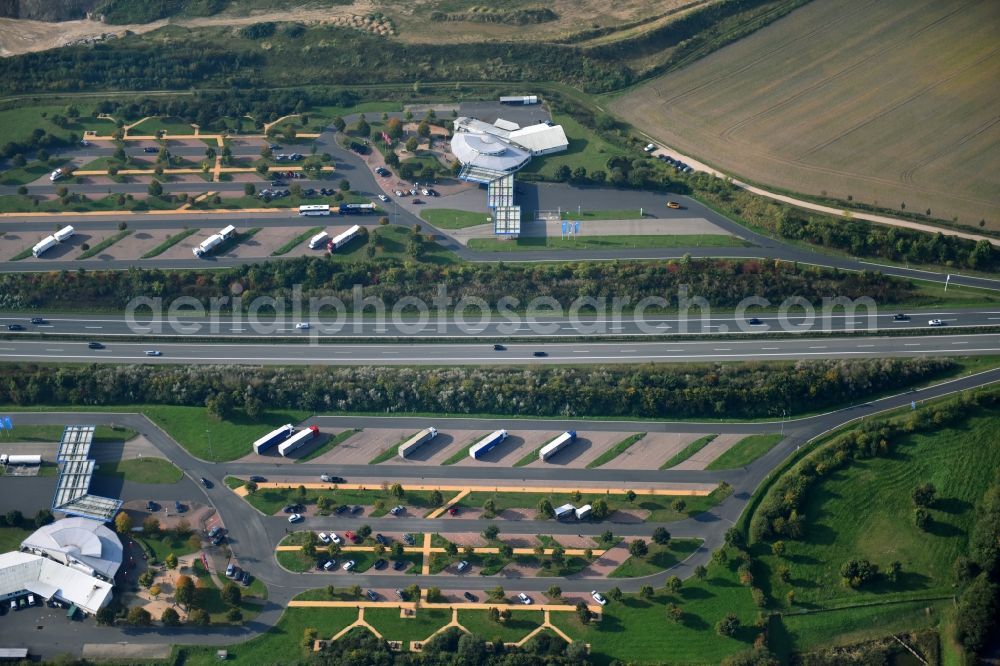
column 487, row 444
column 343, row 239
column 418, row 440
column 298, row 440
column 46, row 243
column 318, row 240
column 557, row 445
column 65, row 233
column 273, row 437
column 19, row 459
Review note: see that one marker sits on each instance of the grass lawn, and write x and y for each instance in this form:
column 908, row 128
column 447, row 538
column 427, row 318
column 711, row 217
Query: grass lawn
column 528, row 244
column 142, row 470
column 520, row 624
column 168, row 124
column 53, row 433
column 415, row 628
column 104, row 244
column 329, row 444
column 169, row 243
column 658, row 505
column 746, row 451
column 29, row 172
column 447, row 218
column 211, row 597
column 11, row 537
column 16, row 124
column 615, row 451
column 15, row 203
column 688, row 451
column 282, row 644
column 166, row 543
column 602, row 215
column 658, row 559
column 636, row 631
column 296, row 560
column 865, row 511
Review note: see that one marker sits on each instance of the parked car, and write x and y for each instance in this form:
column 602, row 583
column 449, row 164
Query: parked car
column 400, row 594
column 453, row 511
column 462, row 566
column 381, row 539
column 524, row 599
column 230, row 570
column 324, row 537
column 246, row 579
column 372, row 594
column 340, row 509
column 288, row 508
column 178, row 507
column 396, row 510
column 382, row 197
column 350, row 535
column 356, row 509
column 380, row 564
column 598, row 597
column 219, row 538
column 399, row 565
column 295, row 517
column 348, row 565
column 256, row 478
column 214, row 532
column 336, row 539
column 398, row 193
column 329, row 565
column 425, row 192
column 470, row 596
column 152, row 506
column 408, row 539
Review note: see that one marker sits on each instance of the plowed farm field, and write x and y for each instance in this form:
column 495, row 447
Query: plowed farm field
column 890, row 102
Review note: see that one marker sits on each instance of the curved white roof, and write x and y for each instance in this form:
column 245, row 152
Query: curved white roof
column 81, row 539
column 488, row 152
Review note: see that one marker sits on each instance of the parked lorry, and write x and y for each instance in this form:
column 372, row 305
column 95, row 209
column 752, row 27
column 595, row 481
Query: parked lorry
column 214, row 241
column 557, row 445
column 418, row 440
column 65, row 233
column 46, row 243
column 343, row 239
column 273, row 437
column 487, row 444
column 298, row 440
column 318, row 240
column 584, row 512
column 564, row 511
column 19, row 459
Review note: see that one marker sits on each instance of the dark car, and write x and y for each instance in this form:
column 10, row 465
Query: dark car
column 257, row 479
column 357, row 509
column 150, row 149
column 399, row 565
column 372, row 594
column 278, row 183
column 152, row 506
column 341, row 509
column 381, row 539
column 539, row 353
column 753, row 321
column 288, row 508
column 470, row 596
column 408, row 539
column 95, row 345
column 178, row 507
column 37, row 320
column 205, row 482
column 246, row 579
column 380, row 564
column 453, row 511
column 499, row 348
column 219, row 538
column 15, row 327
column 417, row 201
column 900, row 317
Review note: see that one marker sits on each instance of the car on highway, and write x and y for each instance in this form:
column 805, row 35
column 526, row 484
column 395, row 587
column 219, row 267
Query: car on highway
column 95, row 345
column 15, row 327
column 499, row 348
column 598, row 597
column 935, row 322
column 382, row 197
column 37, row 320
column 372, row 594
column 295, row 517
column 348, row 565
column 539, row 353
column 302, row 326
column 524, row 599
column 154, row 352
column 674, row 205
column 150, row 149
column 470, row 596
column 330, row 478
column 205, row 482
column 900, row 317
column 754, row 321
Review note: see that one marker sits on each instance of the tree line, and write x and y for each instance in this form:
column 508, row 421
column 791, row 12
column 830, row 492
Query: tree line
column 703, row 390
column 723, row 283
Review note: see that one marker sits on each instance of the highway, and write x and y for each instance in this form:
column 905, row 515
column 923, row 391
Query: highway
column 446, row 354
column 509, row 325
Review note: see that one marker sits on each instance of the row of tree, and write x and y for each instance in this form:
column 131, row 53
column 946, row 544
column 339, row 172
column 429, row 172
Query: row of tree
column 748, row 390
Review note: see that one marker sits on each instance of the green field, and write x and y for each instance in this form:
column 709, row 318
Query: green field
column 16, row 203
column 586, row 150
column 413, row 628
column 166, row 543
column 615, row 451
column 142, row 470
column 449, row 218
column 521, row 623
column 173, row 126
column 11, row 537
column 528, row 244
column 29, row 172
column 688, row 451
column 658, row 559
column 746, row 451
column 53, row 433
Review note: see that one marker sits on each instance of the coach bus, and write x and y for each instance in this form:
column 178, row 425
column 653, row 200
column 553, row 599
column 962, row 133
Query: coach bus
column 316, row 209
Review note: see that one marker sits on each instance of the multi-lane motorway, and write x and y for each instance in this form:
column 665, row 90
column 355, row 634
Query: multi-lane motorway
column 515, row 353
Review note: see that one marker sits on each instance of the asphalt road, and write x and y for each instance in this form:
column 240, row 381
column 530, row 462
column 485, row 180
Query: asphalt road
column 515, row 353
column 509, row 325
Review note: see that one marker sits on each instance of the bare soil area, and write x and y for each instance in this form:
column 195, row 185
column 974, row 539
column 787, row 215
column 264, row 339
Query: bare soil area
column 651, row 451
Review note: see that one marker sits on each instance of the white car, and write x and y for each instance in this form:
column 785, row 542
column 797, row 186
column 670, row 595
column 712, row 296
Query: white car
column 425, row 192
column 382, row 197
column 324, row 537
column 349, row 564
column 650, row 147
column 935, row 322
column 598, row 598
column 336, row 539
column 294, row 518
column 524, row 599
column 398, row 193
column 154, row 352
column 303, row 325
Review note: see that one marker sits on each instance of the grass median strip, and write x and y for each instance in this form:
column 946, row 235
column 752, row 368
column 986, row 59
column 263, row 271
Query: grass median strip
column 688, row 451
column 745, row 451
column 295, row 242
column 615, row 450
column 530, row 458
column 104, row 244
column 447, row 218
column 169, row 243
